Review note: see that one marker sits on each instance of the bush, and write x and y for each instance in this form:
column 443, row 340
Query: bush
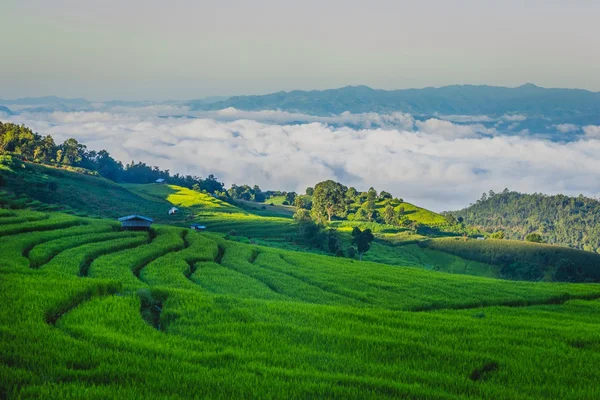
column 522, row 271
column 567, row 271
column 232, row 232
column 534, row 238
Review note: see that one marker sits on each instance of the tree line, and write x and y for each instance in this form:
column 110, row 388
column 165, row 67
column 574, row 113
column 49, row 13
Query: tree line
column 21, row 141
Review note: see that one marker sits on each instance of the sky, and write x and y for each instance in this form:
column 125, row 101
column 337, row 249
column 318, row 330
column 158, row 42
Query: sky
column 185, row 49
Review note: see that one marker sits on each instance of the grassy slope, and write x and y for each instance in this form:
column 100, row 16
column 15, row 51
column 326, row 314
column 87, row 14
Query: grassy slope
column 86, row 194
column 248, row 321
column 502, row 252
column 90, row 195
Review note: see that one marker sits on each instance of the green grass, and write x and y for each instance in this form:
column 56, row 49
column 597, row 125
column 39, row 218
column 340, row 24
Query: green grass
column 212, row 318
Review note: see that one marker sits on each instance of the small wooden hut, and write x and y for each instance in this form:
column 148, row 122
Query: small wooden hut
column 198, row 227
column 135, row 222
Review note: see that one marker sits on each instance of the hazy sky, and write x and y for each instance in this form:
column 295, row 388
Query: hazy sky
column 181, row 49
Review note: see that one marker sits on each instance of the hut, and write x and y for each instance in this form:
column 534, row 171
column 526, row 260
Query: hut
column 161, row 180
column 173, row 210
column 135, row 222
column 198, row 227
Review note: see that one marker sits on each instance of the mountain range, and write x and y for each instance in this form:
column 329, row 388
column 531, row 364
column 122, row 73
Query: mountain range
column 569, row 105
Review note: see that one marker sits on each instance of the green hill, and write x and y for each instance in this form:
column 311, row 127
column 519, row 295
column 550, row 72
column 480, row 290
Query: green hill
column 49, row 189
column 90, row 312
column 562, row 220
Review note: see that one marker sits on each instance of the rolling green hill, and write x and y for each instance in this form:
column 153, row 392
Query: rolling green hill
column 51, row 189
column 562, row 220
column 90, row 312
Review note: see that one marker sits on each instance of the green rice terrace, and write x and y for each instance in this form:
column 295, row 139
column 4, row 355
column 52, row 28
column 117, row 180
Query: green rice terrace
column 246, row 309
column 90, row 311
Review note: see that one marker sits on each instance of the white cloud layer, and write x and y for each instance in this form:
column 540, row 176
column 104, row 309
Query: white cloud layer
column 566, row 128
column 439, row 165
column 592, row 131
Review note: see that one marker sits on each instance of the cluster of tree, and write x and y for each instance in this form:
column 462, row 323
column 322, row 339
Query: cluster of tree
column 254, row 193
column 558, row 219
column 315, row 234
column 331, row 199
column 319, row 206
column 30, row 146
column 245, row 192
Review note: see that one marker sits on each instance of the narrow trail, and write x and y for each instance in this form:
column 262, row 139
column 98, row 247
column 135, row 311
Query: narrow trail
column 253, row 256
column 220, row 254
column 151, row 309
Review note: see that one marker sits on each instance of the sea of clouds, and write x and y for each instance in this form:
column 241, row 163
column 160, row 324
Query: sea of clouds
column 443, row 163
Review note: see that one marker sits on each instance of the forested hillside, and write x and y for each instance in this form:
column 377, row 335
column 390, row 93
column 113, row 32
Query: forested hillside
column 559, row 219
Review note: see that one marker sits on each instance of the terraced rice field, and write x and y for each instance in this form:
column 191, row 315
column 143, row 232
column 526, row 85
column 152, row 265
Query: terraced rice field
column 92, row 312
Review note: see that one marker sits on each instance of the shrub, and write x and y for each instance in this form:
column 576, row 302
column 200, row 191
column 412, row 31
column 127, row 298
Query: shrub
column 534, row 238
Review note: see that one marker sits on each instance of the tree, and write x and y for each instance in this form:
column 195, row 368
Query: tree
column 361, row 215
column 303, row 201
column 309, row 191
column 370, row 203
column 71, row 152
column 534, row 238
column 334, row 243
column 450, row 219
column 567, row 271
column 302, row 215
column 362, row 240
column 308, row 230
column 389, row 216
column 351, row 252
column 351, row 194
column 328, row 200
column 290, row 197
column 385, row 195
column 521, row 270
column 497, row 235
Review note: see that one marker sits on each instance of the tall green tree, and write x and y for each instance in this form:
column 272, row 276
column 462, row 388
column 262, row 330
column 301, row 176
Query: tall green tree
column 389, row 215
column 371, row 203
column 329, row 200
column 71, row 152
column 362, row 240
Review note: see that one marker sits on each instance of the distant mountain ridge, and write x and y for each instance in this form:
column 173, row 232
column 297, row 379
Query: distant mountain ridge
column 564, row 104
